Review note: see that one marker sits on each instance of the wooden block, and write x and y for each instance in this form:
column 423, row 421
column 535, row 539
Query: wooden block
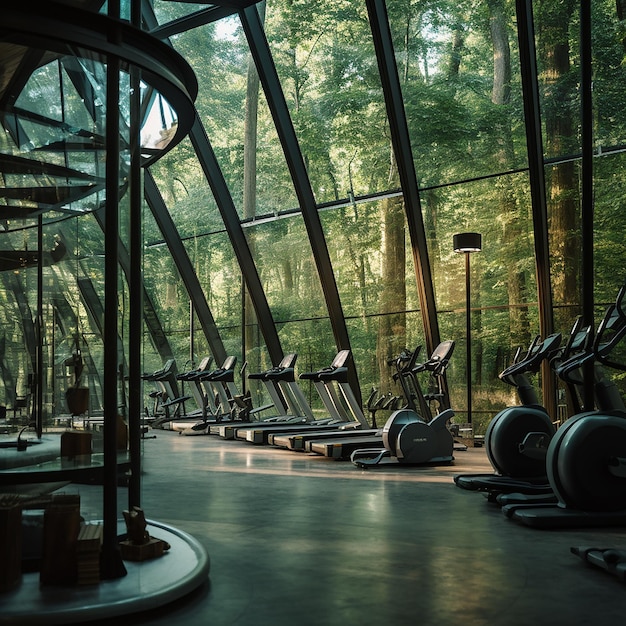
column 61, row 527
column 153, row 548
column 121, row 434
column 88, row 548
column 75, row 443
column 89, row 538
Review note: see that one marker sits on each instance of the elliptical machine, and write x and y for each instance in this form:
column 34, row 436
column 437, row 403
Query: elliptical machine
column 409, row 438
column 506, row 438
column 586, row 459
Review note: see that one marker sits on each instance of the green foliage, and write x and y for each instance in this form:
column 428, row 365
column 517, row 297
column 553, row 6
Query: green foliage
column 469, row 151
column 444, row 51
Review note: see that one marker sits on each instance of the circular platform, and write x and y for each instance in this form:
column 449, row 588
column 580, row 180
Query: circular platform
column 37, row 450
column 147, row 585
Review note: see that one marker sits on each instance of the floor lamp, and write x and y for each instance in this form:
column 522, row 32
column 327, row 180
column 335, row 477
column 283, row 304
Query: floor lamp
column 466, row 243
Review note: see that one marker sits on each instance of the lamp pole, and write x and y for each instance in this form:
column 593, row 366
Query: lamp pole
column 466, row 243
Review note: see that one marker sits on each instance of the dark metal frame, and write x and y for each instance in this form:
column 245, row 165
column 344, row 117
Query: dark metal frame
column 383, row 44
column 277, row 104
column 587, row 204
column 536, row 172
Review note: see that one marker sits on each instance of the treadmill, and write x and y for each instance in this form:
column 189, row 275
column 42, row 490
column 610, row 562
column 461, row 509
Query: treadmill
column 220, row 388
column 338, row 445
column 342, row 447
column 333, row 388
column 191, row 419
column 353, row 428
column 287, row 398
column 167, row 394
column 195, row 388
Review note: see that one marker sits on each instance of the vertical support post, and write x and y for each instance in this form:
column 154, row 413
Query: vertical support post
column 536, row 174
column 135, row 287
column 39, row 375
column 468, row 335
column 466, row 243
column 111, row 565
column 587, row 208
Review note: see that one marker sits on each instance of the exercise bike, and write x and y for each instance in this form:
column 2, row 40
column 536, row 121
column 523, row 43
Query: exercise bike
column 410, row 439
column 586, row 459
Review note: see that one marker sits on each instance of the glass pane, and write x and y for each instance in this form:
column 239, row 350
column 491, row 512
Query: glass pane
column 609, row 216
column 287, row 270
column 461, row 86
column 327, row 67
column 373, row 265
column 289, row 277
column 186, row 192
column 503, row 292
column 219, row 55
column 166, row 11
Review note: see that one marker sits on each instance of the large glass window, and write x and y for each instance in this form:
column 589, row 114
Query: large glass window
column 459, row 71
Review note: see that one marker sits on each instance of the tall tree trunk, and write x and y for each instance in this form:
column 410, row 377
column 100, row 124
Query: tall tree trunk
column 391, row 337
column 620, row 7
column 519, row 327
column 561, row 139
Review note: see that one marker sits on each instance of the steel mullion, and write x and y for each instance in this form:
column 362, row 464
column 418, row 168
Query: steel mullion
column 383, row 44
column 536, row 172
column 268, row 76
column 185, row 268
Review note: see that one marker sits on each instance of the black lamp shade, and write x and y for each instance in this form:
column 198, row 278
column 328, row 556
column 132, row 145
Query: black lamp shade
column 467, row 242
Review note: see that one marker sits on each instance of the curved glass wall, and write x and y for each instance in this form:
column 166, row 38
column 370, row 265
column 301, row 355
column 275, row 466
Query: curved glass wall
column 53, row 168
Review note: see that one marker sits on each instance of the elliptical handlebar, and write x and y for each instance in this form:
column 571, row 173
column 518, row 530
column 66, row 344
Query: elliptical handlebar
column 403, row 357
column 609, row 334
column 535, row 348
column 517, row 357
column 537, row 352
column 405, row 361
column 614, row 321
column 619, row 301
column 566, row 369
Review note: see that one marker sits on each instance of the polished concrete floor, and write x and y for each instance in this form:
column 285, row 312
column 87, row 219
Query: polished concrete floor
column 299, row 539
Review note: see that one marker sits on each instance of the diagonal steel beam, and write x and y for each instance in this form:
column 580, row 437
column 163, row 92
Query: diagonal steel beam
column 383, row 44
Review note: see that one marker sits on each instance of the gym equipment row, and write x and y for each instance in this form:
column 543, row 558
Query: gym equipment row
column 224, row 412
column 213, row 390
column 412, row 435
column 345, row 430
column 331, row 384
column 582, row 464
